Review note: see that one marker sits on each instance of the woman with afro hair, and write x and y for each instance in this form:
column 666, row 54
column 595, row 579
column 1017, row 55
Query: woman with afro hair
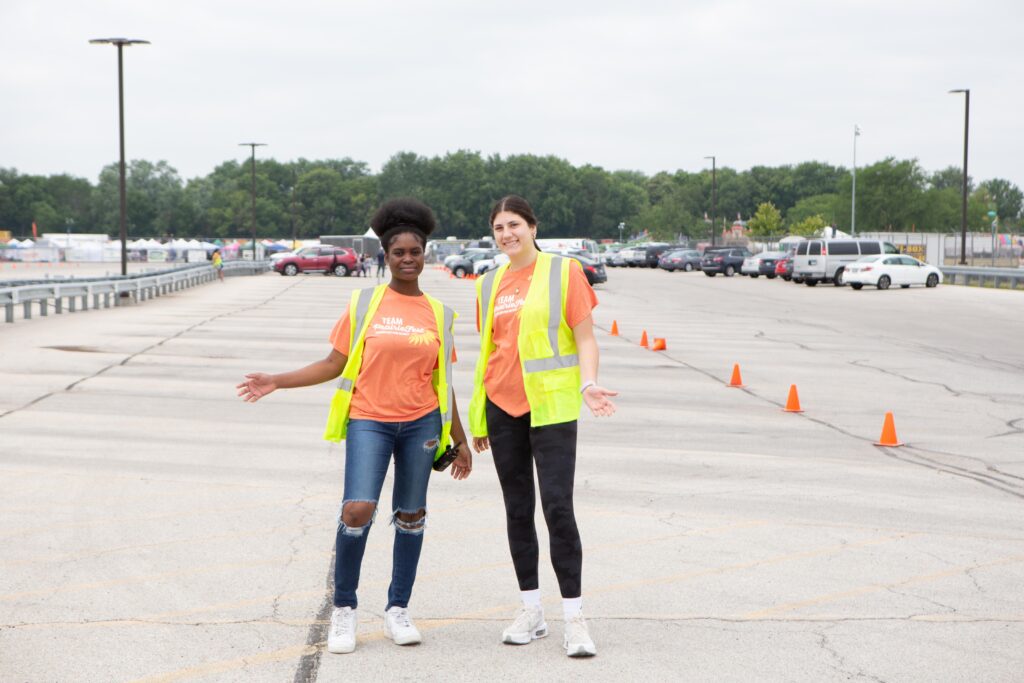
column 391, row 352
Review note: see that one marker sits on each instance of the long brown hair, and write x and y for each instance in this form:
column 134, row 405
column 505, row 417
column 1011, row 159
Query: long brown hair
column 519, row 206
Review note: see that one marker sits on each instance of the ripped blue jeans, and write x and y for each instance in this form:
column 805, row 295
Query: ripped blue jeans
column 369, row 446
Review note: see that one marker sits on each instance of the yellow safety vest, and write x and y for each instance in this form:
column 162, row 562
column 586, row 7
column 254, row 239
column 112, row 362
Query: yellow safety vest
column 547, row 346
column 361, row 308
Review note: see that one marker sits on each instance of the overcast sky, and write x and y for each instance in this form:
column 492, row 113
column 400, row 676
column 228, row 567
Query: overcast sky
column 649, row 86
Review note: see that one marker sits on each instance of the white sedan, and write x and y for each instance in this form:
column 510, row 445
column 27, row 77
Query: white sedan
column 890, row 269
column 751, row 266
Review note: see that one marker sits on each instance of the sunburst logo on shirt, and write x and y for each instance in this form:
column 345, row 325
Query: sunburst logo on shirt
column 422, row 338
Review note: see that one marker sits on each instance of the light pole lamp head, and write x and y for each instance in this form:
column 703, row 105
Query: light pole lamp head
column 118, row 41
column 958, row 90
column 252, row 144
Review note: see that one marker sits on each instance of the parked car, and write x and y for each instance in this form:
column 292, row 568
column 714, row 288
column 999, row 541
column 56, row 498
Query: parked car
column 340, row 261
column 762, row 264
column 623, row 257
column 824, row 260
column 784, row 267
column 608, row 255
column 651, row 253
column 636, row 256
column 594, row 271
column 486, row 264
column 462, row 265
column 680, row 259
column 464, row 254
column 278, row 255
column 724, row 260
column 884, row 270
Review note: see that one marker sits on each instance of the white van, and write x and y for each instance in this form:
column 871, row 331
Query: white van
column 823, row 260
column 584, row 244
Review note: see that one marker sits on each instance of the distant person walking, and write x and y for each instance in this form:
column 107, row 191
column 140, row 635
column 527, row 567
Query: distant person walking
column 537, row 366
column 218, row 264
column 393, row 349
column 380, row 264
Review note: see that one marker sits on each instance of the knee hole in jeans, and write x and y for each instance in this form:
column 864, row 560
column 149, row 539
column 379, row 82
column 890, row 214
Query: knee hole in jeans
column 410, row 522
column 358, row 513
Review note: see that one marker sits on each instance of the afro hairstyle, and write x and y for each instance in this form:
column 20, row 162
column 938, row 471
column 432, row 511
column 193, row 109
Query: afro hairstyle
column 402, row 215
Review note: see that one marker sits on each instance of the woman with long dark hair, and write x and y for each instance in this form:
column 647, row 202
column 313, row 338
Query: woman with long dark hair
column 392, row 349
column 538, row 364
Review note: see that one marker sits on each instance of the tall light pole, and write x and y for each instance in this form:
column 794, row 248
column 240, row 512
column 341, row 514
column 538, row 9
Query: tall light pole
column 121, row 43
column 714, row 198
column 253, row 145
column 853, row 197
column 295, row 181
column 963, row 198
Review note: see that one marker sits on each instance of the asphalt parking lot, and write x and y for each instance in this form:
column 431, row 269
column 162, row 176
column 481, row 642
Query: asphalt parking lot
column 155, row 528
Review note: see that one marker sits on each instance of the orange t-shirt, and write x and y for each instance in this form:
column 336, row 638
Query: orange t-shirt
column 399, row 357
column 503, row 379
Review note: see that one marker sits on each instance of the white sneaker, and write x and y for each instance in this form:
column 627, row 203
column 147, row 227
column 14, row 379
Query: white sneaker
column 341, row 639
column 528, row 625
column 577, row 640
column 400, row 628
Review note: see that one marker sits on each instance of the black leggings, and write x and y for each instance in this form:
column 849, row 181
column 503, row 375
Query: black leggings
column 515, row 446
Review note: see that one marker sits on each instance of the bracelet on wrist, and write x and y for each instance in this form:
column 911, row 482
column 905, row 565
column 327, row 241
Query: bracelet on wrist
column 586, row 385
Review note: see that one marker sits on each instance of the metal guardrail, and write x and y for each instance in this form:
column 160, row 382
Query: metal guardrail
column 984, row 277
column 132, row 287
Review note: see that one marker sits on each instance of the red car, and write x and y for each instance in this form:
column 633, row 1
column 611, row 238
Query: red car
column 784, row 268
column 340, row 261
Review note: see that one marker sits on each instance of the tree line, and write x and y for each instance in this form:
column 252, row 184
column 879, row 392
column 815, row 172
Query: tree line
column 307, row 198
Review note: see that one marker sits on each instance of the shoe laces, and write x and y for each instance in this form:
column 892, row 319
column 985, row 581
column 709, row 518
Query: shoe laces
column 576, row 629
column 341, row 623
column 525, row 616
column 400, row 616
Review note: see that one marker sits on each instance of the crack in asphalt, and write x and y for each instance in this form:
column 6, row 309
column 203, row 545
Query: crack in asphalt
column 293, row 543
column 761, row 335
column 958, row 393
column 922, row 461
column 917, row 617
column 1014, row 427
column 989, row 480
column 969, row 572
column 949, row 608
column 149, row 348
column 309, row 665
column 841, row 664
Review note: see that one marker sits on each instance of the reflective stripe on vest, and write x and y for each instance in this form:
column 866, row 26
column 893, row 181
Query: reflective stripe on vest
column 361, row 309
column 449, row 344
column 554, row 319
column 355, row 328
column 551, row 381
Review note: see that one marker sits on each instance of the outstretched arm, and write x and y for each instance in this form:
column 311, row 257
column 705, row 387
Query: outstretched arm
column 597, row 398
column 259, row 384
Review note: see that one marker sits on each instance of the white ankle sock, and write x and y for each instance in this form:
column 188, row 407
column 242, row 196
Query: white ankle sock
column 572, row 607
column 531, row 598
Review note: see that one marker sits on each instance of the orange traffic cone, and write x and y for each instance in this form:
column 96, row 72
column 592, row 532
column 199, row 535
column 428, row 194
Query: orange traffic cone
column 615, row 329
column 888, row 437
column 793, row 402
column 643, row 339
column 659, row 344
column 736, row 380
